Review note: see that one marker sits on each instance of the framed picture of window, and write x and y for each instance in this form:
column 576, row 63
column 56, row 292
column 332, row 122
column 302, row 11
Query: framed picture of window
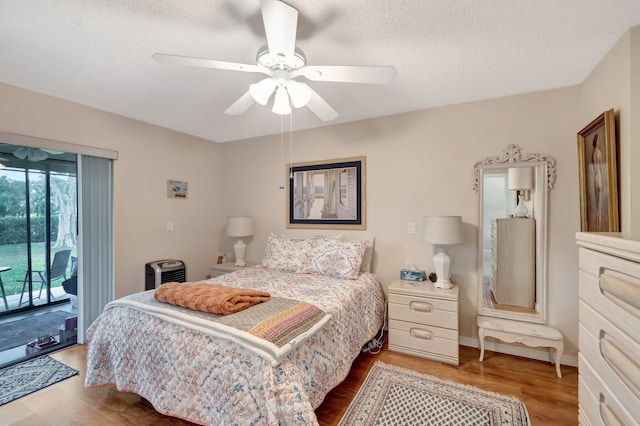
column 598, row 175
column 327, row 194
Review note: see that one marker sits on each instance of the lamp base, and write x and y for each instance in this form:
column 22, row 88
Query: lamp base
column 442, row 265
column 521, row 209
column 444, row 284
column 238, row 249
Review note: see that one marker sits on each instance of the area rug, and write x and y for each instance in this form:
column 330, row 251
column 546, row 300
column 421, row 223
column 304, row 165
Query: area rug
column 22, row 331
column 393, row 395
column 30, row 376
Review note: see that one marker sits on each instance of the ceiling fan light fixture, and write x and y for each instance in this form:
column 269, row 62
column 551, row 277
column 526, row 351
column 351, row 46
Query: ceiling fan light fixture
column 299, row 93
column 262, row 90
column 281, row 102
column 31, row 154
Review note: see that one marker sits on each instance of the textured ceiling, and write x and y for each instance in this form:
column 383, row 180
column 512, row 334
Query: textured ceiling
column 98, row 53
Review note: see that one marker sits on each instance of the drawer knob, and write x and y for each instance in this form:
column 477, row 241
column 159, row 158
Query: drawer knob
column 421, row 306
column 419, row 333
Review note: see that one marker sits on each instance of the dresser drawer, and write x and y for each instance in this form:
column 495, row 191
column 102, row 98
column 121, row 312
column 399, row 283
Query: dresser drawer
column 613, row 354
column 418, row 337
column 608, row 290
column 597, row 402
column 441, row 313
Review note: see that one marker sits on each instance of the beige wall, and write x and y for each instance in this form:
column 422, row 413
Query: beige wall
column 148, row 156
column 634, row 135
column 608, row 87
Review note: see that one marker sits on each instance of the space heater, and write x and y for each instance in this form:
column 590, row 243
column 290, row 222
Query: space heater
column 164, row 271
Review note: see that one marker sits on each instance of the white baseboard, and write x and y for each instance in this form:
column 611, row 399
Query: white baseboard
column 518, row 350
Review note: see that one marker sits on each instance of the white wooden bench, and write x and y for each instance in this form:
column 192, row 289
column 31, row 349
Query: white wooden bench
column 530, row 334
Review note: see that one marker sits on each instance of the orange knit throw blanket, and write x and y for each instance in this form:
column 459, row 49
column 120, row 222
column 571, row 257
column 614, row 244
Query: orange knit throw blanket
column 212, row 298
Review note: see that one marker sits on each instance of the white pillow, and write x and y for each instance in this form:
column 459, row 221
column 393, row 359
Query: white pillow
column 335, row 257
column 286, row 254
column 368, row 255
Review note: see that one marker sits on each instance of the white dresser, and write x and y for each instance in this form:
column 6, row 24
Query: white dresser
column 513, row 248
column 423, row 320
column 609, row 359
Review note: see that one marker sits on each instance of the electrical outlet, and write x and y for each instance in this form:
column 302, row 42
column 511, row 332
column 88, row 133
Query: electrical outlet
column 411, row 228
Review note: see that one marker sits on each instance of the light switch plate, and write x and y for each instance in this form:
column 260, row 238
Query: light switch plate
column 411, row 228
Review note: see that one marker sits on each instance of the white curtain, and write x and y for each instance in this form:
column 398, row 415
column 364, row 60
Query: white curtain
column 95, row 239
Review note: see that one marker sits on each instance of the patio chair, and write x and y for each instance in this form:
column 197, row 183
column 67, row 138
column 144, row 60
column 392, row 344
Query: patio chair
column 58, row 271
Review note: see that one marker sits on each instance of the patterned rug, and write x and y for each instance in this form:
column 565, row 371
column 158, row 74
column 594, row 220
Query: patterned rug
column 393, row 395
column 27, row 377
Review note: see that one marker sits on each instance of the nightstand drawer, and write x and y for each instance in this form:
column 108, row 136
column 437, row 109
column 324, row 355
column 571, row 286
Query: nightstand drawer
column 423, row 338
column 440, row 313
column 416, row 302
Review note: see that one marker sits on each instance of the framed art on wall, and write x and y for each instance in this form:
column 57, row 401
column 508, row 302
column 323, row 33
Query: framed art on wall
column 598, row 174
column 327, row 194
column 177, row 189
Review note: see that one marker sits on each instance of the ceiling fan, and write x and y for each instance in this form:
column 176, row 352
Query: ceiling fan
column 34, row 154
column 282, row 62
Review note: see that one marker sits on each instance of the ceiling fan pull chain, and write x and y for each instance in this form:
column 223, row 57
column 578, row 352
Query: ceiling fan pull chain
column 281, row 156
column 291, row 144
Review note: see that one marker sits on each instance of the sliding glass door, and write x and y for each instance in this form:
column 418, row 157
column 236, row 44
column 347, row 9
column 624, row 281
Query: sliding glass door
column 38, row 227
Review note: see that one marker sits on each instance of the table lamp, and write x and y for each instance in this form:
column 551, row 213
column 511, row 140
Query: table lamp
column 521, row 180
column 442, row 231
column 239, row 226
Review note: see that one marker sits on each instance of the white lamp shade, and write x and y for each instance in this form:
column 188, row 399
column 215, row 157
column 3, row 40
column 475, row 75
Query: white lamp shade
column 299, row 93
column 281, row 102
column 520, row 178
column 239, row 226
column 262, row 90
column 442, row 230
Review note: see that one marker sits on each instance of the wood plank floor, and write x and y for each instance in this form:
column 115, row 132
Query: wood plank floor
column 549, row 399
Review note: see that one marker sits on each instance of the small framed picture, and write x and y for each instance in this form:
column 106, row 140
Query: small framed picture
column 597, row 159
column 176, row 189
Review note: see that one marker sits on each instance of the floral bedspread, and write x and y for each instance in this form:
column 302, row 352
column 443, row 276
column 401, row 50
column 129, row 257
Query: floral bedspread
column 214, row 381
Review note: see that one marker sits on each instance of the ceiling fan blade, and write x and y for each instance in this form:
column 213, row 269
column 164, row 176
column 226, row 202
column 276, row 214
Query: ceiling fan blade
column 51, row 151
column 349, row 74
column 319, row 106
column 207, row 63
column 30, row 154
column 262, row 90
column 241, row 105
column 280, row 26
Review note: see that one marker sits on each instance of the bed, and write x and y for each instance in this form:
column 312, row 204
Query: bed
column 212, row 378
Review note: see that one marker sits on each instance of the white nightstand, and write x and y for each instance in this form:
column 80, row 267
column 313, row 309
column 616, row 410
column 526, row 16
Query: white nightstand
column 423, row 320
column 225, row 268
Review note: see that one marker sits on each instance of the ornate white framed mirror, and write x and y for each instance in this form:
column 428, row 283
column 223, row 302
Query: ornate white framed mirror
column 512, row 234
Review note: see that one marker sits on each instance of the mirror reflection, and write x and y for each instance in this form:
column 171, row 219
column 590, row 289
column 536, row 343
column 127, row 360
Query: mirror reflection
column 513, row 211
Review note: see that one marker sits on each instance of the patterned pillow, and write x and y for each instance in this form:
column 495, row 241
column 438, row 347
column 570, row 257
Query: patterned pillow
column 286, row 254
column 336, row 258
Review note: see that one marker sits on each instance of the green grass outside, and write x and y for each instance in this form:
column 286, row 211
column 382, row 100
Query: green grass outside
column 15, row 256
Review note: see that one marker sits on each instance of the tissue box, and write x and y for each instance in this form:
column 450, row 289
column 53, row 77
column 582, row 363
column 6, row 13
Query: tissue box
column 408, row 275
